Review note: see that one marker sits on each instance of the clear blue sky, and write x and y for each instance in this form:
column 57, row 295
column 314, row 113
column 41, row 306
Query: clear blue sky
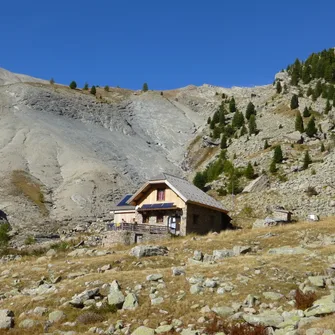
column 168, row 44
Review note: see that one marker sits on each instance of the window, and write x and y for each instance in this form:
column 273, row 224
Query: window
column 160, row 195
column 160, row 218
column 145, row 219
column 195, row 219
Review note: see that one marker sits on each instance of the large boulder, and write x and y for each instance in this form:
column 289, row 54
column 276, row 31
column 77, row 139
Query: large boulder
column 142, row 330
column 115, row 297
column 78, row 300
column 148, row 250
column 6, row 319
column 130, row 302
column 267, row 319
column 257, row 185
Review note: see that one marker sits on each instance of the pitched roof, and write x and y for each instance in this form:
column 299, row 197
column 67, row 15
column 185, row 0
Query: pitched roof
column 187, row 191
column 123, row 204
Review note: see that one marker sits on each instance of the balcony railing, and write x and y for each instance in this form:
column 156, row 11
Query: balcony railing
column 138, row 228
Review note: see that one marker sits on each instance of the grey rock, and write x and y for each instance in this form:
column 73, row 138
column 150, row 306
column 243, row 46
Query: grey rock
column 178, row 271
column 273, row 296
column 241, row 249
column 57, row 316
column 221, row 254
column 318, row 281
column 148, row 250
column 196, row 289
column 130, row 302
column 40, row 311
column 78, row 300
column 259, row 184
column 28, row 323
column 115, row 296
column 157, row 300
column 154, row 277
column 223, row 311
column 142, row 330
column 267, row 319
column 198, row 255
column 6, row 319
column 163, row 329
column 287, row 250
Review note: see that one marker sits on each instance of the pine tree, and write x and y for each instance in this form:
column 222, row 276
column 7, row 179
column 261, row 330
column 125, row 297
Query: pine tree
column 252, row 125
column 232, row 105
column 273, row 167
column 299, row 123
column 106, row 88
column 249, row 171
column 243, row 131
column 85, row 88
column 238, row 120
column 73, row 85
column 328, row 107
column 322, row 149
column 200, row 180
column 145, row 87
column 307, row 160
column 334, row 100
column 295, row 74
column 285, row 88
column 278, row 154
column 250, row 110
column 52, row 81
column 278, row 87
column 266, row 145
column 216, row 117
column 223, row 144
column 294, row 102
column 311, row 128
column 306, row 112
column 212, row 125
column 209, row 120
column 222, row 118
column 306, row 74
column 216, row 132
column 93, row 90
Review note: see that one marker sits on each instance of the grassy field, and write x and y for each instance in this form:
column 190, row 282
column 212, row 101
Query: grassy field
column 264, row 271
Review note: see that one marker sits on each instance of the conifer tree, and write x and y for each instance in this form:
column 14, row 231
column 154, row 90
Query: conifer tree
column 244, row 130
column 209, row 120
column 250, row 110
column 285, row 88
column 311, row 128
column 145, row 87
column 216, row 132
column 85, row 88
column 278, row 87
column 278, row 154
column 200, row 180
column 249, row 171
column 106, row 88
column 322, row 149
column 334, row 100
column 223, row 144
column 73, row 85
column 212, row 125
column 216, row 117
column 295, row 74
column 294, row 102
column 238, row 120
column 222, row 118
column 299, row 123
column 93, row 90
column 252, row 125
column 232, row 105
column 307, row 160
column 306, row 112
column 52, row 81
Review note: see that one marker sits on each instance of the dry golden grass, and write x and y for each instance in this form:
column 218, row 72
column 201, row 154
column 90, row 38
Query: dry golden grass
column 32, row 190
column 274, row 271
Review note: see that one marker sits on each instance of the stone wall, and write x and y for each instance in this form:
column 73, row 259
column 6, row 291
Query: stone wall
column 207, row 220
column 129, row 237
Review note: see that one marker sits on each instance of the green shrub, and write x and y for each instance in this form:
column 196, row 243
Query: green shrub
column 29, row 240
column 4, row 234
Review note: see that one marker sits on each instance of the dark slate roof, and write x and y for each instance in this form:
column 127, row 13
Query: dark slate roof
column 191, row 193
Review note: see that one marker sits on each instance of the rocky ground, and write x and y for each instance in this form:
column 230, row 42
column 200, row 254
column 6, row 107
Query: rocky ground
column 191, row 285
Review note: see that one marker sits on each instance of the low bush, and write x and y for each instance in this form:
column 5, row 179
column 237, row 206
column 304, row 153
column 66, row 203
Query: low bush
column 304, row 300
column 90, row 317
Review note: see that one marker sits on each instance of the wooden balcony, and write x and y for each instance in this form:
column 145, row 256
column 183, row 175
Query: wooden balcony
column 138, row 228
